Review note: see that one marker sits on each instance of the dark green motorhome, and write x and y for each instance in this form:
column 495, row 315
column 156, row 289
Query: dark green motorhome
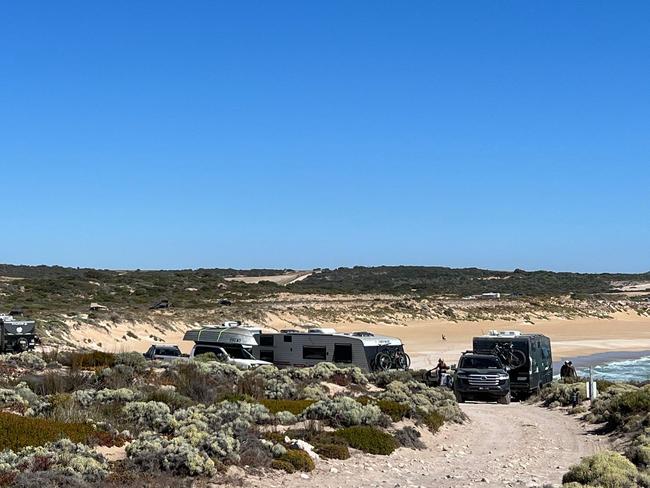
column 527, row 356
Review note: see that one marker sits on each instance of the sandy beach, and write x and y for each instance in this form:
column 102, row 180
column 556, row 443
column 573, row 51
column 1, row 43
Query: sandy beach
column 570, row 338
column 422, row 338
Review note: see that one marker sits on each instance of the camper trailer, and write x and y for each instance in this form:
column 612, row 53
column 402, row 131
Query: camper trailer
column 229, row 342
column 527, row 358
column 363, row 349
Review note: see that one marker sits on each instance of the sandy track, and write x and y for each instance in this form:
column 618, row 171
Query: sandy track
column 514, row 445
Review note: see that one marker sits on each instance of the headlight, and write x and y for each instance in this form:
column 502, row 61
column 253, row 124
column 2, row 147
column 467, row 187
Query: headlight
column 503, row 377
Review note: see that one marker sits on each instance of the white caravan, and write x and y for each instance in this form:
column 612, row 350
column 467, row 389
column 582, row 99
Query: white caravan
column 363, row 349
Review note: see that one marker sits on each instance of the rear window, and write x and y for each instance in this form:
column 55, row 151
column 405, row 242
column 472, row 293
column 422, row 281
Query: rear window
column 168, row 351
column 476, row 362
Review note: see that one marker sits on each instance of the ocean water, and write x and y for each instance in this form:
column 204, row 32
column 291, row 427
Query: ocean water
column 632, row 369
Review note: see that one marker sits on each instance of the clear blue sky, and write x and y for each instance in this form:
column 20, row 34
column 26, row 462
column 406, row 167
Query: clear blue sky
column 164, row 134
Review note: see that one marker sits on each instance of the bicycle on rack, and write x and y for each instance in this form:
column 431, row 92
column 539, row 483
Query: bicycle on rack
column 391, row 359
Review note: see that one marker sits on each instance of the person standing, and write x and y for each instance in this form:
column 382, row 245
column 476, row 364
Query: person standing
column 564, row 371
column 573, row 374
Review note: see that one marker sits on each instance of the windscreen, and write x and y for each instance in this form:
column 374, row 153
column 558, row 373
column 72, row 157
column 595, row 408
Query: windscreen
column 477, row 362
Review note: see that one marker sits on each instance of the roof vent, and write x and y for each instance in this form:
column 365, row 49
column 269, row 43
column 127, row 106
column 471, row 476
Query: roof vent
column 505, row 333
column 322, row 330
column 363, row 334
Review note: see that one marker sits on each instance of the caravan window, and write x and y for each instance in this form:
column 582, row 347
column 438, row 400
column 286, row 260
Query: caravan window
column 342, row 353
column 288, row 338
column 266, row 340
column 311, row 352
column 266, row 355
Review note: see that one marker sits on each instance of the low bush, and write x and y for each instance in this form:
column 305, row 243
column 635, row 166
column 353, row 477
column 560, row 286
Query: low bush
column 134, row 360
column 198, row 382
column 74, row 462
column 433, row 420
column 397, row 411
column 409, row 437
column 17, row 431
column 299, row 459
column 169, row 397
column 314, row 436
column 283, row 465
column 606, row 468
column 560, row 394
column 92, row 359
column 368, row 439
column 344, row 411
column 55, row 382
column 296, row 407
column 419, row 396
column 332, row 451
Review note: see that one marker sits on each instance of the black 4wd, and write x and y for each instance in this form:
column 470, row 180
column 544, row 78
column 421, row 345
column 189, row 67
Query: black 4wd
column 481, row 377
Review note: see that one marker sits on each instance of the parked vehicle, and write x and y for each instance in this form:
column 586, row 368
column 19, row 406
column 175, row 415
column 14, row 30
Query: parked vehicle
column 17, row 335
column 164, row 352
column 527, row 357
column 481, row 377
column 363, row 349
column 229, row 343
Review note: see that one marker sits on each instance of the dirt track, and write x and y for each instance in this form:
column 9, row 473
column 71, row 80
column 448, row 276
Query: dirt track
column 514, row 445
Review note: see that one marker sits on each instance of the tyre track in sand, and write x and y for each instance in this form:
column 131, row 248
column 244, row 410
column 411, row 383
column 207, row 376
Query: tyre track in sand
column 516, row 445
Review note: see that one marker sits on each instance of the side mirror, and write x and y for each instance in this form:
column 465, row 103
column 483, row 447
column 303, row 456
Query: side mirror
column 453, row 367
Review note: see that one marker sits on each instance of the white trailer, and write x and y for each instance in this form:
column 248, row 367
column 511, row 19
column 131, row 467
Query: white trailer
column 363, row 349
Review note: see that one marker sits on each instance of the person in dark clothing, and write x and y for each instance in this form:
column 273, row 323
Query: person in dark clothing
column 572, row 373
column 564, row 371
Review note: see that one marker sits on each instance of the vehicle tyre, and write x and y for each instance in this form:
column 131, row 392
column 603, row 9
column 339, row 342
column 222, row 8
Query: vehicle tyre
column 459, row 397
column 505, row 400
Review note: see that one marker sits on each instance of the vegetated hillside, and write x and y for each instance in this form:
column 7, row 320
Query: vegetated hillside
column 463, row 281
column 55, row 288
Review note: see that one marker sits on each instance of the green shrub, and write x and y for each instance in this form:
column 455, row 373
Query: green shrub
column 397, row 411
column 169, row 397
column 299, row 459
column 345, row 411
column 206, row 357
column 17, row 431
column 433, row 420
column 315, row 436
column 333, row 451
column 296, row 407
column 236, row 397
column 607, row 469
column 632, row 402
column 561, row 393
column 283, row 466
column 368, row 439
column 92, row 359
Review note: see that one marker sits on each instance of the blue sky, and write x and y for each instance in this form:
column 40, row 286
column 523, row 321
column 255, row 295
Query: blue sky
column 303, row 134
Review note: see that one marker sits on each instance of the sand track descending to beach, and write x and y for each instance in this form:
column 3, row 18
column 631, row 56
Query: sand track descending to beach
column 516, row 445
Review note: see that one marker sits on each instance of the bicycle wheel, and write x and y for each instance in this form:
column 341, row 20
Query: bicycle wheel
column 517, row 359
column 382, row 361
column 401, row 361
